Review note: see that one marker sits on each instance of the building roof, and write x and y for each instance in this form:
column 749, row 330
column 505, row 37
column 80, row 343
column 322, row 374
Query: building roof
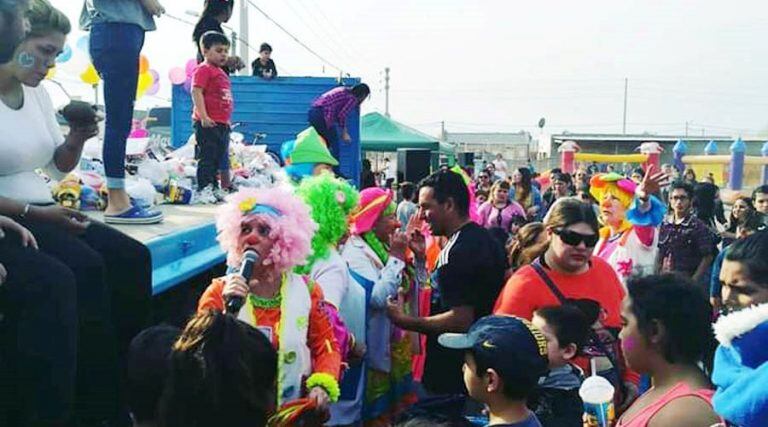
column 491, row 138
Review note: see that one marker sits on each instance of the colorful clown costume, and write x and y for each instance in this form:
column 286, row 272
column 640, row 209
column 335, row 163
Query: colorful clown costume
column 295, row 319
column 630, row 242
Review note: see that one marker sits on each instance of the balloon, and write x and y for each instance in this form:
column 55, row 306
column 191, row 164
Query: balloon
column 143, row 64
column 153, row 89
column 190, row 67
column 177, row 75
column 65, row 55
column 145, row 81
column 83, row 43
column 51, row 73
column 90, row 76
column 188, row 85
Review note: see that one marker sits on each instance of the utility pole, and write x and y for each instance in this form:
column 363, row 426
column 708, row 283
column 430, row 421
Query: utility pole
column 386, row 91
column 442, row 130
column 686, row 128
column 624, row 123
column 244, row 35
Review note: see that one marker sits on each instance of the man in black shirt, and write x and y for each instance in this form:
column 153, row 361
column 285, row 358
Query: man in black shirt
column 264, row 66
column 467, row 279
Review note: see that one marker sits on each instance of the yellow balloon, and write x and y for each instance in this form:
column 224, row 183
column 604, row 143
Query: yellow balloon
column 90, row 76
column 144, row 83
column 51, row 73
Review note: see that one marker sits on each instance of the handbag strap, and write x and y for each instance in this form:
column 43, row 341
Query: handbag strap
column 548, row 281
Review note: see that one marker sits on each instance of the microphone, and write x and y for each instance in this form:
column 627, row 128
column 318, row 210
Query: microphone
column 250, row 258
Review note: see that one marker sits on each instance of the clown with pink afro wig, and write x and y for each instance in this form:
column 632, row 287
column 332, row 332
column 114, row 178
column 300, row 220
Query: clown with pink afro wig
column 288, row 308
column 293, row 227
column 631, row 217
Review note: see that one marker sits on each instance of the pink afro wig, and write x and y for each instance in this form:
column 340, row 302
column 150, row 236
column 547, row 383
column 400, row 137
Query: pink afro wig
column 292, row 229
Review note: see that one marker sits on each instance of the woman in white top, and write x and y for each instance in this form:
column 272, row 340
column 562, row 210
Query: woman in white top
column 112, row 272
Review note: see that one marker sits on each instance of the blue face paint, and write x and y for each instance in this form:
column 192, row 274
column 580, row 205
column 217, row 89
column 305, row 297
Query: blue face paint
column 26, row 59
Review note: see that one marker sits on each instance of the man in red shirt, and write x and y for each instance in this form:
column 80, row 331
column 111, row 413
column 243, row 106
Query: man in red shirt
column 212, row 97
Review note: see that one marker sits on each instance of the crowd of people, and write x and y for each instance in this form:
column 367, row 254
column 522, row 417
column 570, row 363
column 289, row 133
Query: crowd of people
column 488, row 299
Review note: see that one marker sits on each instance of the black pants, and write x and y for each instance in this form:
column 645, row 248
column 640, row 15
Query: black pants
column 211, row 146
column 112, row 277
column 316, row 118
column 38, row 337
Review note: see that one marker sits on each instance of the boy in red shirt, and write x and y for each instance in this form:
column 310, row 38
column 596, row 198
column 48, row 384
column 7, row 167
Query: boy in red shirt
column 212, row 97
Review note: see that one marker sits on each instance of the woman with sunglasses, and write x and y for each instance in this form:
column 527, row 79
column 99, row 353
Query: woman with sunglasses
column 631, row 217
column 569, row 268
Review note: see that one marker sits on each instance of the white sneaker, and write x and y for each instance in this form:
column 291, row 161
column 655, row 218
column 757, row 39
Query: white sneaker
column 220, row 194
column 204, row 196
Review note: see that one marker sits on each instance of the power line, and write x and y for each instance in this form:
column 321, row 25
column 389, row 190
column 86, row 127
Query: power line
column 324, row 25
column 321, row 39
column 296, row 39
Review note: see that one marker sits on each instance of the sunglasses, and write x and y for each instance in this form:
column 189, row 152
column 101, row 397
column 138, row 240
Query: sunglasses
column 572, row 238
column 676, row 198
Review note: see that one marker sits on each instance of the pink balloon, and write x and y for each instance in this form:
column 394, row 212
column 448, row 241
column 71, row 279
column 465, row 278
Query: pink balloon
column 177, row 75
column 190, row 67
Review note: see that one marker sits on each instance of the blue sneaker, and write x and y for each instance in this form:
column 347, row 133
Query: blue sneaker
column 135, row 215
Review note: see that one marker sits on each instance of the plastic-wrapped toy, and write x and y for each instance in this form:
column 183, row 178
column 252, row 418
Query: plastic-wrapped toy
column 67, row 192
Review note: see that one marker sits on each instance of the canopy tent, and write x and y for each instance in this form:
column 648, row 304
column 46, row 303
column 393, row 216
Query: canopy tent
column 379, row 133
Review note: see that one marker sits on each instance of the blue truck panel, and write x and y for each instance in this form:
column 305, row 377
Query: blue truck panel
column 277, row 108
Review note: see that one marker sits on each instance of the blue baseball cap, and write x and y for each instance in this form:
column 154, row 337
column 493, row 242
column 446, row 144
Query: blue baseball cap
column 508, row 344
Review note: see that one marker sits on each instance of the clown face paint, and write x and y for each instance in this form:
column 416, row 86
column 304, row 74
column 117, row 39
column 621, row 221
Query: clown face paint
column 36, row 56
column 25, row 59
column 636, row 351
column 611, row 210
column 256, row 233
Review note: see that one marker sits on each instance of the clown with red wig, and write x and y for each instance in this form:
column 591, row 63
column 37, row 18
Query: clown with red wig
column 285, row 306
column 378, row 262
column 631, row 216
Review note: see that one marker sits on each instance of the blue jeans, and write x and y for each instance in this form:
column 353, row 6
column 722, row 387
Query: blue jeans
column 115, row 49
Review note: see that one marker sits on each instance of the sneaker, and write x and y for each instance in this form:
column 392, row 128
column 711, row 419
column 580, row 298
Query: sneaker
column 205, row 196
column 220, row 194
column 135, row 215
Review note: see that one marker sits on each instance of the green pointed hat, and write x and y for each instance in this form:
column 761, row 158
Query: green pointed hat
column 310, row 148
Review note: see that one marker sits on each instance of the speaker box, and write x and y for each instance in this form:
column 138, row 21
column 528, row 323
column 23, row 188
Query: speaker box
column 412, row 164
column 466, row 159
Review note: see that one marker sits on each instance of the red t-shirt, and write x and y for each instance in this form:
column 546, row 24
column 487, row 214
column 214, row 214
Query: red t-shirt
column 217, row 93
column 525, row 292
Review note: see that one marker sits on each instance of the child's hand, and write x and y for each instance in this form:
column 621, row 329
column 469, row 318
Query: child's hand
column 345, row 136
column 206, row 122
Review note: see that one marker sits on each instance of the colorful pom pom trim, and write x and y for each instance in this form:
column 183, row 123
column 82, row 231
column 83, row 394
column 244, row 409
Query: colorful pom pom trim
column 327, row 382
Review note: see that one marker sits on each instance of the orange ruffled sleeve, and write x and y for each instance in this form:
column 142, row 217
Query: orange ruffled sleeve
column 326, row 357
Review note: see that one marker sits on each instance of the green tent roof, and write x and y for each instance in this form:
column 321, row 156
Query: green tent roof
column 381, row 133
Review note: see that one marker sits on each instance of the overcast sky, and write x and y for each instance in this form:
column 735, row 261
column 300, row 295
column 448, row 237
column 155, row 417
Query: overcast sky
column 501, row 65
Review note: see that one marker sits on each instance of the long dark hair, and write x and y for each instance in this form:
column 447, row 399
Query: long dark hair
column 704, row 195
column 733, row 222
column 211, row 9
column 523, row 189
column 222, row 373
